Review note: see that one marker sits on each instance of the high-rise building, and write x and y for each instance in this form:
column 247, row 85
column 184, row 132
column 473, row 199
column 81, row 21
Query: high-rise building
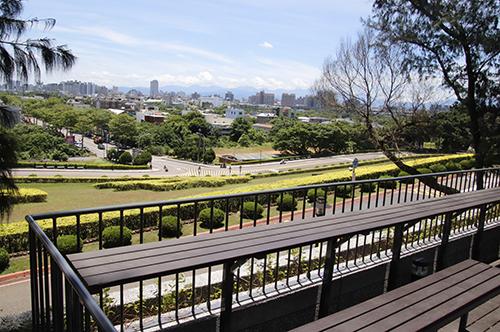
column 262, row 98
column 229, row 96
column 288, row 99
column 154, row 89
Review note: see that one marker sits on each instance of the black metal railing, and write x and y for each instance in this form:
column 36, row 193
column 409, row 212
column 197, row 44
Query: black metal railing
column 61, row 302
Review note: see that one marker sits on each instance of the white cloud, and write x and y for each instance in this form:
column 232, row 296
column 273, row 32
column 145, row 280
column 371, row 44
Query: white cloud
column 266, row 45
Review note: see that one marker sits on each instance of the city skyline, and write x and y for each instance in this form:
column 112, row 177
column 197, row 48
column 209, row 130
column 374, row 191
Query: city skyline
column 264, row 45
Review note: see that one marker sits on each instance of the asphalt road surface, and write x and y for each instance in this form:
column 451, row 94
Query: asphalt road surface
column 186, row 168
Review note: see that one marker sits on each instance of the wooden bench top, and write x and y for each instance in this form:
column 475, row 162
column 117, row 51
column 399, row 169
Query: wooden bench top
column 110, row 267
column 424, row 305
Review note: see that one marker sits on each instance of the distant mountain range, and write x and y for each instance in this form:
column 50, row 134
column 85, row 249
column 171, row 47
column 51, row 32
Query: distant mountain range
column 239, row 92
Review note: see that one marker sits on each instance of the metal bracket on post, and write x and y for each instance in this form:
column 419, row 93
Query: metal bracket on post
column 327, row 277
column 396, row 254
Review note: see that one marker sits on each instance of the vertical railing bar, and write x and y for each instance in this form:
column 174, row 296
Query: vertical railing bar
column 314, row 201
column 334, row 198
column 141, row 305
column 353, row 196
column 160, row 222
column 177, row 297
column 141, row 226
column 241, row 212
column 344, row 197
column 288, row 267
column 268, row 208
column 211, row 216
column 122, row 305
column 178, row 231
column 255, row 210
column 100, row 230
column 40, row 285
column 121, row 227
column 264, row 273
column 361, row 197
column 250, row 289
column 209, row 303
column 34, row 287
column 160, row 297
column 47, row 288
column 304, row 204
column 277, row 271
column 378, row 193
column 193, row 296
column 281, row 207
column 228, row 208
column 195, row 228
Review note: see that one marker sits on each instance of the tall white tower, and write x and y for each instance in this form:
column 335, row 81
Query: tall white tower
column 153, row 88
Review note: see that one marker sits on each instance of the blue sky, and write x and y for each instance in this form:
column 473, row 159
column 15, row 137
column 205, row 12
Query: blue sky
column 273, row 44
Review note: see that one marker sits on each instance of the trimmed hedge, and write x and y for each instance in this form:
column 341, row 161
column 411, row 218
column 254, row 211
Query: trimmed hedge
column 28, row 195
column 72, row 165
column 177, row 184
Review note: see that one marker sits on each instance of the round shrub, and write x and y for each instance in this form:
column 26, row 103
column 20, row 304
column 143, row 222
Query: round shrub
column 125, row 158
column 368, row 187
column 344, row 191
column 289, row 202
column 68, row 244
column 311, row 196
column 169, row 226
column 451, row 166
column 387, row 184
column 218, row 217
column 437, row 168
column 248, row 210
column 4, row 259
column 424, row 171
column 111, row 237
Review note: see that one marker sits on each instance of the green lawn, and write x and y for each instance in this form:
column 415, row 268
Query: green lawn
column 71, row 196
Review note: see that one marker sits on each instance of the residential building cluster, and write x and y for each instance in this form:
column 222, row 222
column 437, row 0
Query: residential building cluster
column 106, row 98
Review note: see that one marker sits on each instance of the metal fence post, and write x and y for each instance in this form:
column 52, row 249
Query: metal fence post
column 396, row 254
column 476, row 246
column 327, row 278
column 227, row 297
column 444, row 242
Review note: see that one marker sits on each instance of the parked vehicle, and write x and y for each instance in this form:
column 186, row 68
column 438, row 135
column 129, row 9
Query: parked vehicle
column 100, row 146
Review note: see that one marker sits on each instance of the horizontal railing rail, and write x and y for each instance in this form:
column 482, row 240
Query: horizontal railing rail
column 54, row 296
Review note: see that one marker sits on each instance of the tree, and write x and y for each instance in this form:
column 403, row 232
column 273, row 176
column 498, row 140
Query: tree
column 209, row 156
column 21, row 57
column 123, row 127
column 238, row 127
column 460, row 41
column 7, row 162
column 199, row 124
column 364, row 75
